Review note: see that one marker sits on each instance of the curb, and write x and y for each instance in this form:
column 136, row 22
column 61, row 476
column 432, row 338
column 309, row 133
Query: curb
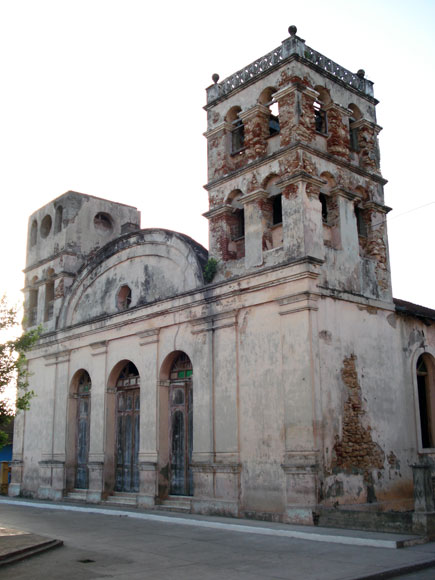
column 22, row 553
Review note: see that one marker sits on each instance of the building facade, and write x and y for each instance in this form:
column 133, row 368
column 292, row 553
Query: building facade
column 287, row 380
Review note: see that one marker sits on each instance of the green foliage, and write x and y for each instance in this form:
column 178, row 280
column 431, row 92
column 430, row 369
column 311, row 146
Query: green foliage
column 13, row 366
column 210, row 270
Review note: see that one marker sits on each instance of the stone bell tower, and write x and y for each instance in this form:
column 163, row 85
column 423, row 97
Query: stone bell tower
column 61, row 235
column 293, row 171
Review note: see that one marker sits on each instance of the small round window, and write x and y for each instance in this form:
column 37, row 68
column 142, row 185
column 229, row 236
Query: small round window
column 45, row 226
column 123, row 299
column 103, row 222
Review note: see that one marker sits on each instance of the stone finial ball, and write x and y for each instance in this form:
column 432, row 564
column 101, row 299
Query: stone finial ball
column 292, row 30
column 215, row 78
column 361, row 73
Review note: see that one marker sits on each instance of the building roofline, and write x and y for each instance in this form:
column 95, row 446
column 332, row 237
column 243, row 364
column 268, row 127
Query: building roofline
column 411, row 309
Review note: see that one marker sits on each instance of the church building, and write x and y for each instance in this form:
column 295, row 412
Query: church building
column 272, row 377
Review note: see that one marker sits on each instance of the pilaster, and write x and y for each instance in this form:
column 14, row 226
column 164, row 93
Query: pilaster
column 302, row 216
column 148, row 435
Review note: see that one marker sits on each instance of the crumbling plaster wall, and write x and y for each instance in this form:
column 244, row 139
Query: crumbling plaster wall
column 155, row 264
column 368, row 401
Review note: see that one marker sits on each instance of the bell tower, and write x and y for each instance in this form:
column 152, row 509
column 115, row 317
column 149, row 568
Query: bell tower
column 294, row 173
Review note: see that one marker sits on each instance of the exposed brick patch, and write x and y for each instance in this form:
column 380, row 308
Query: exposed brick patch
column 256, row 133
column 356, row 451
column 290, row 191
column 59, row 291
column 338, row 140
column 369, row 157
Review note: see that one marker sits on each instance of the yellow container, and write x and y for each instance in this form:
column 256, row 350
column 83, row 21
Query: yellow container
column 4, row 477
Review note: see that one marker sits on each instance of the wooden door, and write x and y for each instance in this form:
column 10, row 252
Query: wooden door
column 83, row 421
column 127, row 439
column 181, row 427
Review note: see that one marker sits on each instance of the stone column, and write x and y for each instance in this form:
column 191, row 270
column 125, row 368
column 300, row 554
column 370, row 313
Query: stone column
column 348, row 241
column 148, row 490
column 256, row 122
column 302, row 216
column 338, row 141
column 254, row 227
column 377, row 245
column 97, row 425
column 368, row 144
column 218, row 150
column 348, row 231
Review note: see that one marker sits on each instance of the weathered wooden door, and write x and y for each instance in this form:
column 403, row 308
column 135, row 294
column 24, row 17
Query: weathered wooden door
column 83, row 420
column 127, row 431
column 181, row 427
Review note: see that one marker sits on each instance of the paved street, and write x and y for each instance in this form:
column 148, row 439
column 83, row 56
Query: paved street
column 119, row 547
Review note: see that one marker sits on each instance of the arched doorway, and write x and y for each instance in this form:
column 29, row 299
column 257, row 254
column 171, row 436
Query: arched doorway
column 83, row 422
column 78, row 430
column 127, row 429
column 180, row 426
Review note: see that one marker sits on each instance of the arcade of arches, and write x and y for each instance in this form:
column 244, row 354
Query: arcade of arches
column 123, row 412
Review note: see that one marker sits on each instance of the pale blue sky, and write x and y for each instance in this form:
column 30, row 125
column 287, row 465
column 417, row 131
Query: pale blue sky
column 105, row 97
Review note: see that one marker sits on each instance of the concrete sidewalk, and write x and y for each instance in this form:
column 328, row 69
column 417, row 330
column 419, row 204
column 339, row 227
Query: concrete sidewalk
column 15, row 545
column 213, row 533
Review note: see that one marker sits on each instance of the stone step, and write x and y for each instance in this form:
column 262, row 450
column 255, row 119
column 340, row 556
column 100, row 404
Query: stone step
column 122, row 498
column 76, row 495
column 176, row 504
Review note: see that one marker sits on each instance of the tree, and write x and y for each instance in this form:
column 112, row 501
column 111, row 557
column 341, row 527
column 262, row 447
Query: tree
column 13, row 367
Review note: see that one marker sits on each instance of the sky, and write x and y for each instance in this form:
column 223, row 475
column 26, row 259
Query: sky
column 106, row 97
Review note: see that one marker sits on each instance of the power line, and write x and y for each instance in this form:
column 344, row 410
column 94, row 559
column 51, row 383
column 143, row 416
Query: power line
column 410, row 210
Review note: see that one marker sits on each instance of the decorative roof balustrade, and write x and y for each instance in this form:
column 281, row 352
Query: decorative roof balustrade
column 290, row 46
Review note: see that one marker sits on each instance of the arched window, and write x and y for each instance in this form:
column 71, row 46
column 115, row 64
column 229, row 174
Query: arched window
column 58, row 219
column 277, row 209
column 320, row 117
column 361, row 223
column 123, row 300
column 33, row 307
column 426, row 399
column 266, row 99
column 272, row 213
column 45, row 226
column 353, row 131
column 238, row 217
column 103, row 222
column 49, row 300
column 34, row 233
column 237, row 131
column 236, row 224
column 320, row 120
column 323, row 201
